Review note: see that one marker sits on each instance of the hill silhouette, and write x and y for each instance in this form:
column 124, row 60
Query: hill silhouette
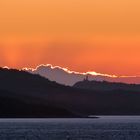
column 27, row 95
column 105, row 85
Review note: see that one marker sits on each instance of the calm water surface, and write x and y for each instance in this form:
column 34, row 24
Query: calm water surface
column 104, row 128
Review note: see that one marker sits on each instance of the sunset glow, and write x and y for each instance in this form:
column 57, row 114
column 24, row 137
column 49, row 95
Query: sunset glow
column 68, row 71
column 85, row 36
column 75, row 72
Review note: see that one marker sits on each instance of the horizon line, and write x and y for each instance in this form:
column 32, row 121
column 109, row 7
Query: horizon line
column 92, row 73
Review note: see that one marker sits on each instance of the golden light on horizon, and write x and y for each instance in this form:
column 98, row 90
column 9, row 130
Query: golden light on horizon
column 84, row 35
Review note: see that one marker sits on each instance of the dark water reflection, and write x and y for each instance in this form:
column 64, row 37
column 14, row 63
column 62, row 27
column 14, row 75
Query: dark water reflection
column 104, row 128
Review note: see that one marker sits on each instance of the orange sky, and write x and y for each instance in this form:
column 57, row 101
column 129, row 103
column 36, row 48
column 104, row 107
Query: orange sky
column 83, row 35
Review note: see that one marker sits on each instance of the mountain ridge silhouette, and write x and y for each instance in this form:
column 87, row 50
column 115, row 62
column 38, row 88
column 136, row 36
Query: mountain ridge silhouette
column 23, row 94
column 67, row 77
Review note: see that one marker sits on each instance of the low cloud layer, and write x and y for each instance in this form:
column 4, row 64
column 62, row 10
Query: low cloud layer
column 68, row 77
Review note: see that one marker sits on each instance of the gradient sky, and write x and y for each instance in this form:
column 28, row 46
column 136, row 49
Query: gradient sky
column 83, row 35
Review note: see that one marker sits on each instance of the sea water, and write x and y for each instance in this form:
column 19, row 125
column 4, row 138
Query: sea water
column 103, row 128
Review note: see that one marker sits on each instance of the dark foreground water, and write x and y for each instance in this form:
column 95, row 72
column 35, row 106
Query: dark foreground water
column 104, row 128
